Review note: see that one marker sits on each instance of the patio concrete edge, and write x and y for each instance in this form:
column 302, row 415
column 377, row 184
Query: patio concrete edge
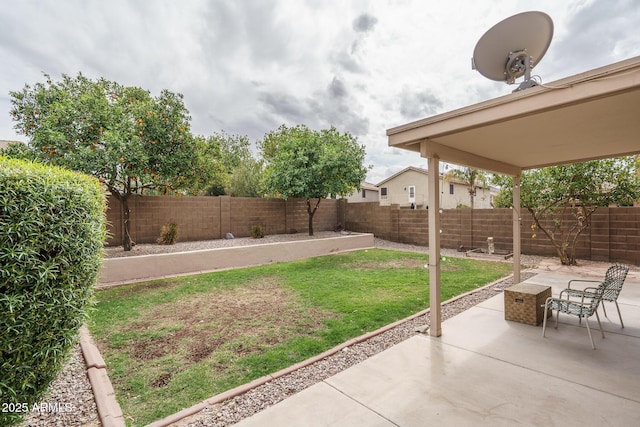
column 244, row 388
column 109, row 411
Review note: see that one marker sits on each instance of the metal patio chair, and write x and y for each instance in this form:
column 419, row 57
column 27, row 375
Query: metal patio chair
column 613, row 280
column 581, row 304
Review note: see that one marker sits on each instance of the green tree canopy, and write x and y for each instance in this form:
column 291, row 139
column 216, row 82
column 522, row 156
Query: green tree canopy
column 246, row 179
column 562, row 199
column 307, row 164
column 240, row 172
column 125, row 137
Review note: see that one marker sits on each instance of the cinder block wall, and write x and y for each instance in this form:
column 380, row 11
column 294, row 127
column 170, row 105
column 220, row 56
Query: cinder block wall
column 205, row 218
column 624, row 241
column 614, row 234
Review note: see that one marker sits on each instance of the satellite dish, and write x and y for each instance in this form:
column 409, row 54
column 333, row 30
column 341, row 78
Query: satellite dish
column 512, row 47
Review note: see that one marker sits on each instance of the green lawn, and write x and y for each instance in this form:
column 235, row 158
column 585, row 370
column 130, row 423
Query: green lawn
column 172, row 343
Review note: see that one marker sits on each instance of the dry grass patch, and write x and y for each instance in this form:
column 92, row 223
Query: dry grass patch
column 243, row 320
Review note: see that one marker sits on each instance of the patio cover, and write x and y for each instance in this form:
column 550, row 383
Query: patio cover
column 592, row 115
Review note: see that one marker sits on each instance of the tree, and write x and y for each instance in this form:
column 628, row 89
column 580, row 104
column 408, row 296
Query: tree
column 234, row 154
column 245, row 181
column 562, row 199
column 126, row 138
column 307, row 164
column 472, row 178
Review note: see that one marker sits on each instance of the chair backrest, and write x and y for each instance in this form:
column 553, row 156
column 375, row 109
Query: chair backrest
column 613, row 281
column 594, row 298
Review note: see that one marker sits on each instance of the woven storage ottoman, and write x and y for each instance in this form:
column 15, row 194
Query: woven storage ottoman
column 524, row 303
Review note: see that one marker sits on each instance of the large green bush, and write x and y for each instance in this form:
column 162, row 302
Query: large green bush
column 52, row 230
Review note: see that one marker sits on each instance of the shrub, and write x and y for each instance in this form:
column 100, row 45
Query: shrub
column 168, row 234
column 52, row 231
column 257, row 232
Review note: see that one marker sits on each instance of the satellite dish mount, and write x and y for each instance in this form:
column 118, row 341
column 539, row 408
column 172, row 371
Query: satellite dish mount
column 510, row 49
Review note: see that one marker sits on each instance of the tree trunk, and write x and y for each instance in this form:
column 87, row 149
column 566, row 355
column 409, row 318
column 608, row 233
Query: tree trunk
column 311, row 212
column 126, row 223
column 564, row 258
column 310, row 223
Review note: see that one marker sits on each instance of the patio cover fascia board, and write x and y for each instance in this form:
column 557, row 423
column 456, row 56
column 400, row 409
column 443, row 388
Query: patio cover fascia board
column 485, row 135
column 429, row 149
column 482, row 136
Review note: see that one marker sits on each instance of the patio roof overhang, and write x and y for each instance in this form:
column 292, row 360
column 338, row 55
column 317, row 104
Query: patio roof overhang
column 592, row 115
column 588, row 116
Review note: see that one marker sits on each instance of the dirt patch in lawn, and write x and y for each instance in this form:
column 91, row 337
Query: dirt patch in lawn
column 241, row 320
column 404, row 263
column 160, row 285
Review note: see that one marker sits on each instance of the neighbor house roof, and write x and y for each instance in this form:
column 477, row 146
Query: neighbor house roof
column 410, row 168
column 368, row 186
column 4, row 143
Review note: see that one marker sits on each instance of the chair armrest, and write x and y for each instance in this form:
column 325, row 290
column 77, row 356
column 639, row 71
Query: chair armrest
column 581, row 280
column 580, row 294
column 568, row 301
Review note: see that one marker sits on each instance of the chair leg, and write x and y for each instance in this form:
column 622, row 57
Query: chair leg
column 544, row 319
column 589, row 331
column 619, row 315
column 599, row 324
column 604, row 309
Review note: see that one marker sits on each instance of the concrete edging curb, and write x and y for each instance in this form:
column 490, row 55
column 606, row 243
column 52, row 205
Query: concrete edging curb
column 229, row 394
column 109, row 411
column 121, row 270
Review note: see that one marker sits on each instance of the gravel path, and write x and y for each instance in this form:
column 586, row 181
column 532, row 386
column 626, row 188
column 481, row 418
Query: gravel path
column 73, row 394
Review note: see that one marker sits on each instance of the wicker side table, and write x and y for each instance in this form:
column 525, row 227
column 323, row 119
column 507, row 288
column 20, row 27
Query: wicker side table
column 524, row 303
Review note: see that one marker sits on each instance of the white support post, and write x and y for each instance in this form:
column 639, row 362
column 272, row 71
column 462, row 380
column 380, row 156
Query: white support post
column 517, row 219
column 435, row 327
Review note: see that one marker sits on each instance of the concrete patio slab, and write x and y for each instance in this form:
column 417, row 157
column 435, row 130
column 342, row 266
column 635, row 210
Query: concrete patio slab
column 320, row 405
column 485, row 370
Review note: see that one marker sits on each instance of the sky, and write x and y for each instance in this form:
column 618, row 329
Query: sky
column 247, row 66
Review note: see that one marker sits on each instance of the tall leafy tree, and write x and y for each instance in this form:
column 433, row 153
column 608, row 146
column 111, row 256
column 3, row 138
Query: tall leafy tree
column 127, row 138
column 311, row 165
column 246, row 179
column 562, row 199
column 235, row 157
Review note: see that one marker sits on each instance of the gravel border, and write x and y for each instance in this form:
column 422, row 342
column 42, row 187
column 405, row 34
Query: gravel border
column 72, row 389
column 69, row 400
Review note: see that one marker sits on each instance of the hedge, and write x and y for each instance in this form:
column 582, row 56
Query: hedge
column 52, row 230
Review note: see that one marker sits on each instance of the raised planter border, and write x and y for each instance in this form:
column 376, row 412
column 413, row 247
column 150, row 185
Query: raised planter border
column 119, row 271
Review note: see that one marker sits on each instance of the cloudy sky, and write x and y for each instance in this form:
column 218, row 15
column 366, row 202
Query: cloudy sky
column 247, row 66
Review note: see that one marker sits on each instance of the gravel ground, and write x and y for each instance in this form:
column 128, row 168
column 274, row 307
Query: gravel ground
column 72, row 391
column 69, row 401
column 149, row 248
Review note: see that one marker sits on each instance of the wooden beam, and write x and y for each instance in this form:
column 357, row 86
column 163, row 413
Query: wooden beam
column 431, row 149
